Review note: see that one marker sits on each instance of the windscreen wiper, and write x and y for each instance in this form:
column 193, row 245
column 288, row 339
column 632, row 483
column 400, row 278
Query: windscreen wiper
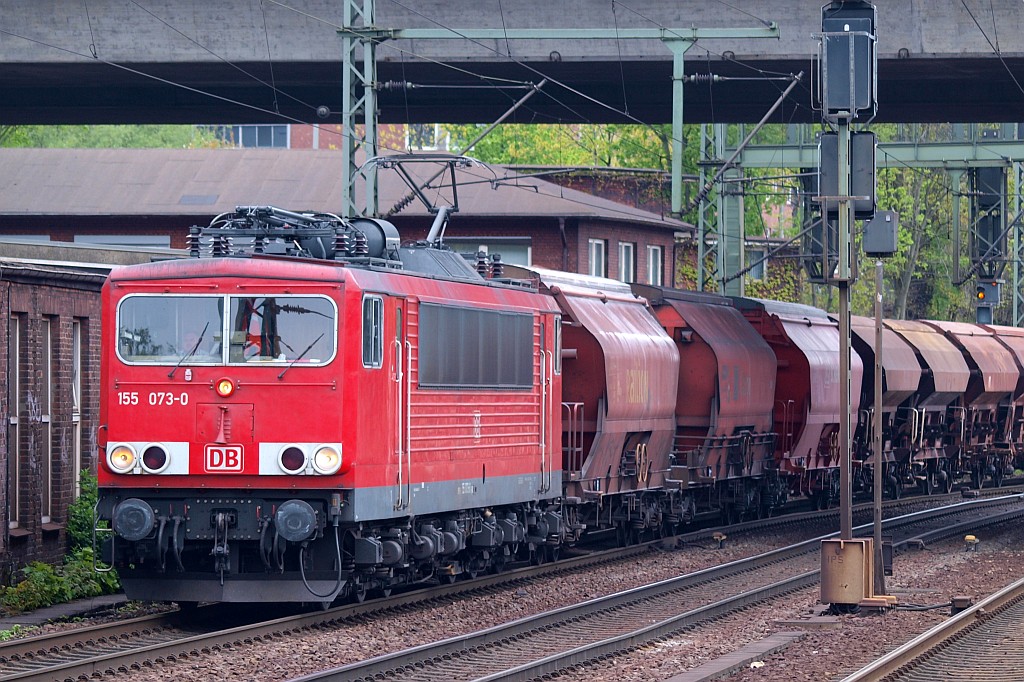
column 301, row 355
column 186, row 356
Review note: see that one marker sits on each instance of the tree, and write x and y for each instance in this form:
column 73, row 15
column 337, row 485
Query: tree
column 613, row 145
column 110, row 137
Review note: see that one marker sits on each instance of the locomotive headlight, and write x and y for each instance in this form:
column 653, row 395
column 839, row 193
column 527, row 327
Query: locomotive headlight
column 121, row 459
column 327, row 460
column 224, row 387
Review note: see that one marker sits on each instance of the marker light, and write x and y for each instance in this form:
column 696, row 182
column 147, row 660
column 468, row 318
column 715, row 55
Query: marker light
column 154, row 459
column 121, row 459
column 327, row 460
column 292, row 460
column 224, row 387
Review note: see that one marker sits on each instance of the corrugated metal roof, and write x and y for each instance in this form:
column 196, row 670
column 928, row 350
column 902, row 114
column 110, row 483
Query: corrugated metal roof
column 210, row 181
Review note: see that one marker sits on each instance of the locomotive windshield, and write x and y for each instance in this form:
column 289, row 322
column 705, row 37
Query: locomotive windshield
column 190, row 330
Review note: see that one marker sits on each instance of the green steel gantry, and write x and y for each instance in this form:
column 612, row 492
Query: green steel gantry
column 360, row 37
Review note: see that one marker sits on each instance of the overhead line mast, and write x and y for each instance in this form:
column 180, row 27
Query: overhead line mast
column 360, row 38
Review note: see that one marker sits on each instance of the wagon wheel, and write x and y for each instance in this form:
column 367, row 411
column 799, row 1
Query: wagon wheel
column 621, row 534
column 926, row 484
column 997, row 477
column 977, row 481
column 359, row 592
column 894, row 488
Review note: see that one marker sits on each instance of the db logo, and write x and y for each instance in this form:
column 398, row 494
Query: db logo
column 220, row 458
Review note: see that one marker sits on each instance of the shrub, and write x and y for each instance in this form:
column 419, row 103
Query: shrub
column 44, row 585
column 41, row 587
column 79, row 526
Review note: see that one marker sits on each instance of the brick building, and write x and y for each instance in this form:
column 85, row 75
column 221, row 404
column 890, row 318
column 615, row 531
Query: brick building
column 49, row 337
column 49, row 344
column 149, row 197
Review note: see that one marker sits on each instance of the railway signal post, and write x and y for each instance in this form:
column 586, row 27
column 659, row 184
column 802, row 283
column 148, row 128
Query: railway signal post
column 848, row 88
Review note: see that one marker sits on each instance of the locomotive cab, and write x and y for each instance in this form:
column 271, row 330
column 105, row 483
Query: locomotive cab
column 294, row 429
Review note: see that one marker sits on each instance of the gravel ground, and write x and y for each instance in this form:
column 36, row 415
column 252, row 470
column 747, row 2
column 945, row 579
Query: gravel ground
column 921, row 577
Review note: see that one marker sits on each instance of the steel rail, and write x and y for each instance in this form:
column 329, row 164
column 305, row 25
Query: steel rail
column 976, row 619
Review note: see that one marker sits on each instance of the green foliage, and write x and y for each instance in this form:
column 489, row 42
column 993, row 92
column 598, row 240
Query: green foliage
column 108, row 136
column 16, row 631
column 40, row 587
column 80, row 513
column 613, row 145
column 44, row 585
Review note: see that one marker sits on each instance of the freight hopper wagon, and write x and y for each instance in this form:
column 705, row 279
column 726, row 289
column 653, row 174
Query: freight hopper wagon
column 1013, row 339
column 807, row 393
column 295, row 429
column 723, row 456
column 619, row 380
column 901, row 377
column 934, row 446
column 979, row 424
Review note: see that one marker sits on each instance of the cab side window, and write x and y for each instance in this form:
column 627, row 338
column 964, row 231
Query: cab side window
column 373, row 331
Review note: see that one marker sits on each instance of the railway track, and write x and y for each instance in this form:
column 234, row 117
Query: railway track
column 546, row 644
column 126, row 645
column 984, row 642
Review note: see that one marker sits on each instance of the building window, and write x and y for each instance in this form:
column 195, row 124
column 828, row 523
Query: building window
column 76, row 406
column 13, row 433
column 627, row 262
column 47, row 331
column 655, row 266
column 598, row 260
column 129, row 240
column 255, row 135
column 373, row 331
column 513, row 250
column 755, row 260
column 424, row 137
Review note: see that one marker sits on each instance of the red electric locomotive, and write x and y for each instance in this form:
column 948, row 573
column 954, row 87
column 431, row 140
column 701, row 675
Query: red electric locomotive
column 278, row 428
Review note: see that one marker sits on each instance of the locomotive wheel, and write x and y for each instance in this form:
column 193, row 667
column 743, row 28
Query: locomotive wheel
column 552, row 553
column 446, row 578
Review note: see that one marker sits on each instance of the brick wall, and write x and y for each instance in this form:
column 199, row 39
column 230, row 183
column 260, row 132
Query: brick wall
column 47, row 434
